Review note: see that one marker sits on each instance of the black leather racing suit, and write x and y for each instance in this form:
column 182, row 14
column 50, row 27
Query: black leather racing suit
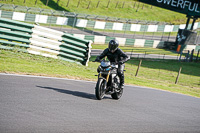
column 118, row 57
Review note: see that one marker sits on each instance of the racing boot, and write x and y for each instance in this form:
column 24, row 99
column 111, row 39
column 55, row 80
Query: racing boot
column 122, row 81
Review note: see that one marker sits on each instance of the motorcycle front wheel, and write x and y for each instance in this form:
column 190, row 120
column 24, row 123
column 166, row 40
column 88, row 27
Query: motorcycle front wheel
column 99, row 90
column 117, row 95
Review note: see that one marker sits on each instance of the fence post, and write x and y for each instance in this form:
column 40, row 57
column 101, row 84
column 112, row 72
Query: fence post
column 123, row 4
column 191, row 56
column 89, row 5
column 35, row 2
column 108, row 3
column 67, row 3
column 197, row 55
column 138, row 7
column 117, row 4
column 78, row 3
column 138, row 68
column 178, row 75
column 98, row 4
column 47, row 2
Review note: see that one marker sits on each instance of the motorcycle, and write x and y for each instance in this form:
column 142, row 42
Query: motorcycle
column 108, row 81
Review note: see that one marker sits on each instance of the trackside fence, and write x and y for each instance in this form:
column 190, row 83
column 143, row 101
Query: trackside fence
column 43, row 41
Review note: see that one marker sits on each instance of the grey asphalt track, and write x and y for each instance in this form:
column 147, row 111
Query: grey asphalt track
column 31, row 104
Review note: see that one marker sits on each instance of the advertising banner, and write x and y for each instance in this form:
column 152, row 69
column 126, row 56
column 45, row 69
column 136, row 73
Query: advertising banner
column 188, row 7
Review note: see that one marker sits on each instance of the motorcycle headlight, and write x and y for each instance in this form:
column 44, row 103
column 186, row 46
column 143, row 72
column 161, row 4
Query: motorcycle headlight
column 107, row 69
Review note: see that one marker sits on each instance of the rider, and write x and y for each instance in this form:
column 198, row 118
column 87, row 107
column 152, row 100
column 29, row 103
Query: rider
column 115, row 55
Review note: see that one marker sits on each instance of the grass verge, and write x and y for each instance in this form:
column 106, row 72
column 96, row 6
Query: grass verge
column 153, row 73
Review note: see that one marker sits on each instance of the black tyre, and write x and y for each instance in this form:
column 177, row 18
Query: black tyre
column 99, row 90
column 117, row 95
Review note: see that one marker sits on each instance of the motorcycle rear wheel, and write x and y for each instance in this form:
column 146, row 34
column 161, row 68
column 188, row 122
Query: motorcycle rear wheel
column 117, row 95
column 99, row 90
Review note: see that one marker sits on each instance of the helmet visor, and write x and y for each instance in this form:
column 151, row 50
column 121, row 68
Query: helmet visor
column 112, row 48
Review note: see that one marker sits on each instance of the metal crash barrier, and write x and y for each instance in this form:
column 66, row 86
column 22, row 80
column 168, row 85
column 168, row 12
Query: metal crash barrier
column 43, row 41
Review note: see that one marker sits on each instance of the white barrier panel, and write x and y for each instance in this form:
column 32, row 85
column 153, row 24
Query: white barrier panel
column 61, row 21
column 81, row 23
column 45, row 45
column 99, row 39
column 118, row 26
column 168, row 28
column 47, row 30
column 18, row 16
column 155, row 44
column 182, row 26
column 41, row 18
column 122, row 41
column 46, row 40
column 44, row 34
column 99, row 25
column 152, row 28
column 40, row 53
column 195, row 26
column 190, row 47
column 79, row 36
column 135, row 27
column 44, row 49
column 139, row 43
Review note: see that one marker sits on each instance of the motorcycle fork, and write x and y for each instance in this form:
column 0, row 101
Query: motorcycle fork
column 107, row 78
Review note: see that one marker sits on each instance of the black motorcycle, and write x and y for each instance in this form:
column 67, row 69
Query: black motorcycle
column 108, row 81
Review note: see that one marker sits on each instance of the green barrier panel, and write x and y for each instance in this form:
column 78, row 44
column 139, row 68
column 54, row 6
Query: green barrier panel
column 75, row 38
column 51, row 20
column 17, row 28
column 130, row 42
column 90, row 24
column 109, row 26
column 11, row 38
column 6, row 14
column 144, row 28
column 89, row 37
column 127, row 27
column 74, row 43
column 71, row 21
column 71, row 51
column 197, row 48
column 14, row 33
column 14, row 43
column 30, row 17
column 148, row 43
column 16, row 23
column 161, row 28
column 72, row 47
column 108, row 39
column 176, row 27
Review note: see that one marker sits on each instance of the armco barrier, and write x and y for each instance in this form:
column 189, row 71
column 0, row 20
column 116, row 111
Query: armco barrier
column 43, row 41
column 91, row 23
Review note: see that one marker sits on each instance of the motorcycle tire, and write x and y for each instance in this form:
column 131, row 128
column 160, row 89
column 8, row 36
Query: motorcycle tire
column 99, row 90
column 117, row 95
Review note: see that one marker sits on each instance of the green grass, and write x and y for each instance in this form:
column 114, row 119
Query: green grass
column 130, row 9
column 156, row 74
column 139, row 50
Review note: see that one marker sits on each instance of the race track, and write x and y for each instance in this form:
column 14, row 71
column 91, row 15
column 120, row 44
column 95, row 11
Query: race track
column 53, row 105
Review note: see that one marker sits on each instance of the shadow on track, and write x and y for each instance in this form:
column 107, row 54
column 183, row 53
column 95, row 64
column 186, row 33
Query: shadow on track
column 74, row 93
